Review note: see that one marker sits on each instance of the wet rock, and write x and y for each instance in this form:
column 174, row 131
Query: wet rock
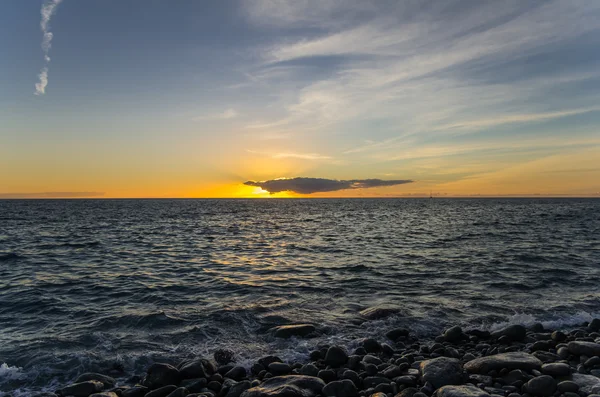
column 372, row 381
column 136, row 391
column 581, row 348
column 454, row 334
column 82, row 389
column 441, row 371
column 369, row 359
column 511, row 360
column 460, row 391
column 265, row 361
column 544, row 386
column 592, row 361
column 585, row 382
column 279, row 368
column 567, row 386
column 371, row 345
column 408, row 392
column 287, row 386
column 287, row 331
column 515, row 333
column 352, row 376
column 328, row 375
column 556, row 369
column 179, row 392
column 162, row 391
column 340, row 388
column 558, row 336
column 107, row 381
column 594, row 325
column 104, row 394
column 309, row 370
column 378, row 312
column 200, row 368
column 237, row 389
column 236, row 373
column 223, row 356
column 397, row 333
column 336, row 356
column 546, row 357
column 194, row 385
column 393, row 371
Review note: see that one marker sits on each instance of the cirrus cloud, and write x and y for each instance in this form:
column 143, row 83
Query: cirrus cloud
column 304, row 185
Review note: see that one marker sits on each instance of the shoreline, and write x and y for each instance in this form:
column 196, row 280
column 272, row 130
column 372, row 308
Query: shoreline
column 515, row 361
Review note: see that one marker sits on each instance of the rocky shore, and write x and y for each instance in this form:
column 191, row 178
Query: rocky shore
column 511, row 362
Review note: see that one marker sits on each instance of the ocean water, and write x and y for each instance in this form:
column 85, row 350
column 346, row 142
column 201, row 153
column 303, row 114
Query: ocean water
column 112, row 285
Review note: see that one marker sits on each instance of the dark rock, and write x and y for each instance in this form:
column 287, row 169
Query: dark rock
column 328, row 375
column 136, row 391
column 352, row 376
column 393, row 371
column 377, row 312
column 194, row 385
column 372, row 381
column 406, row 380
column 585, row 382
column 82, row 389
column 568, row 386
column 309, row 370
column 340, row 388
column 454, row 334
column 104, row 394
column 460, row 391
column 162, row 391
column 265, row 361
column 441, row 371
column 237, row 389
column 408, row 392
column 479, row 334
column 379, row 394
column 546, row 357
column 279, row 368
column 214, row 386
column 201, row 368
column 511, row 360
column 223, row 356
column 257, row 368
column 179, row 392
column 544, row 386
column 287, row 331
column 580, row 348
column 336, row 356
column 481, row 379
column 515, row 333
column 107, row 381
column 236, row 373
column 592, row 361
column 371, row 345
column 287, row 386
column 369, row 359
column 397, row 333
column 223, row 369
column 556, row 369
column 594, row 325
column 558, row 336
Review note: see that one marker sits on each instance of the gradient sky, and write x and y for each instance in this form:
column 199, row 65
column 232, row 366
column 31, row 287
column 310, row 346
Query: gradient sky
column 188, row 98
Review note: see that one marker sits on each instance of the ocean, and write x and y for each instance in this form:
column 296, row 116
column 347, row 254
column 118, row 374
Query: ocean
column 114, row 285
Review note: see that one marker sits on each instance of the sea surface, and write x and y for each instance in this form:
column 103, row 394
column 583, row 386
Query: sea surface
column 100, row 285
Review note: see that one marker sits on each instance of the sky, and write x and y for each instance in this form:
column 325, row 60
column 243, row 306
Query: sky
column 324, row 98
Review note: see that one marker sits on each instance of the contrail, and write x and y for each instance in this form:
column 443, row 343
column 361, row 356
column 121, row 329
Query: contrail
column 48, row 9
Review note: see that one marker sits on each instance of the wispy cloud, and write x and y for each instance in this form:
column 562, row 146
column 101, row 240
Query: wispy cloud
column 305, row 185
column 225, row 115
column 286, row 155
column 48, row 9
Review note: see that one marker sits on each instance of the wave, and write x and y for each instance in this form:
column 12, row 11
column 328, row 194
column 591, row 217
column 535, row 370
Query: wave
column 9, row 256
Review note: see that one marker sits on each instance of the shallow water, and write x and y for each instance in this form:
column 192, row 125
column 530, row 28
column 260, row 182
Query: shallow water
column 98, row 284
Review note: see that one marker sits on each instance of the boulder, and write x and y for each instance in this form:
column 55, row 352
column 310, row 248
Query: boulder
column 107, row 381
column 287, row 331
column 511, row 360
column 580, row 348
column 378, row 312
column 544, row 386
column 236, row 373
column 397, row 333
column 340, row 388
column 336, row 356
column 200, row 368
column 454, row 334
column 441, row 371
column 586, row 382
column 460, row 391
column 82, row 389
column 556, row 369
column 287, row 386
column 515, row 333
column 237, row 389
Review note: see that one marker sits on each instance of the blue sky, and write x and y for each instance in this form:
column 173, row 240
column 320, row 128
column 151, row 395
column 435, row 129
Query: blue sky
column 189, row 98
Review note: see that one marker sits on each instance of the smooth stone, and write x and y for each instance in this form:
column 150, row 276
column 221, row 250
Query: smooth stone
column 592, row 361
column 441, row 371
column 104, row 394
column 328, row 375
column 378, row 312
column 460, row 391
column 581, row 348
column 594, row 325
column 223, row 356
column 336, row 356
column 372, row 381
column 380, row 394
column 136, row 391
column 392, row 372
column 558, row 336
column 162, row 391
column 179, row 392
column 309, row 370
column 107, row 381
column 236, row 373
column 511, row 360
column 160, row 374
column 453, row 334
column 287, row 331
column 287, row 386
column 82, row 389
column 200, row 368
column 544, row 386
column 369, row 359
column 371, row 345
column 515, row 333
column 586, row 382
column 397, row 333
column 265, row 361
column 237, row 389
column 567, row 386
column 340, row 388
column 279, row 368
column 546, row 357
column 194, row 385
column 352, row 376
column 556, row 369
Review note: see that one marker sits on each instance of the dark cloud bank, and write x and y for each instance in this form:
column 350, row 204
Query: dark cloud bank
column 317, row 185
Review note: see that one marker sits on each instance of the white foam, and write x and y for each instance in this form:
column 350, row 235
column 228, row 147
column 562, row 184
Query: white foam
column 8, row 373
